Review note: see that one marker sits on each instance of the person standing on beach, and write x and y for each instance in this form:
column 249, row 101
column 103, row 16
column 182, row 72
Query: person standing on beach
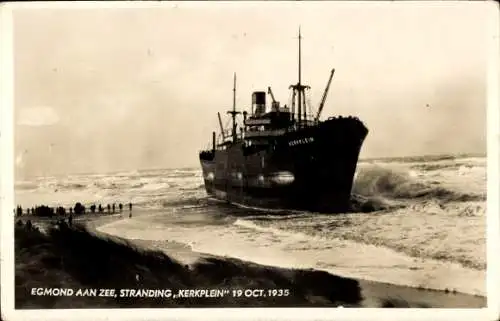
column 121, row 207
column 113, row 207
column 70, row 220
column 130, row 206
column 109, row 208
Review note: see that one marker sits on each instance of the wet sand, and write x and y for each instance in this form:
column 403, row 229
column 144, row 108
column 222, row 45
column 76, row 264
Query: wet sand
column 374, row 294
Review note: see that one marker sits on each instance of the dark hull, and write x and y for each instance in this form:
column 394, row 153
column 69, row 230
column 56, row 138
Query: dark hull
column 322, row 160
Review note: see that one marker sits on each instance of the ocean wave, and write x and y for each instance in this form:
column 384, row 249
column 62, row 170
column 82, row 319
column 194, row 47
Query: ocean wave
column 424, row 158
column 61, row 186
column 109, row 185
column 137, row 185
column 193, row 201
column 155, row 186
column 279, row 216
column 245, row 223
column 25, row 186
column 72, row 185
column 461, row 166
column 442, row 235
column 183, row 174
column 361, row 204
column 280, row 212
column 193, row 187
column 380, row 181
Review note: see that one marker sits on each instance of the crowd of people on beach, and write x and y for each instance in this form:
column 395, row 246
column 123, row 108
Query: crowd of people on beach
column 78, row 209
column 63, row 213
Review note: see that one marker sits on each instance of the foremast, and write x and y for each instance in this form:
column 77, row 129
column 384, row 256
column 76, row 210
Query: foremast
column 233, row 112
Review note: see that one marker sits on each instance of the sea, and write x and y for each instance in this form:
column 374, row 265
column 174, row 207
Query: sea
column 425, row 228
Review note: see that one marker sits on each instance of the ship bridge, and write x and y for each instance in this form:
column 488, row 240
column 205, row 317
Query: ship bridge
column 261, row 124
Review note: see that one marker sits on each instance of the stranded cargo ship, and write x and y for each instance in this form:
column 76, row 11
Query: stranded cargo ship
column 284, row 158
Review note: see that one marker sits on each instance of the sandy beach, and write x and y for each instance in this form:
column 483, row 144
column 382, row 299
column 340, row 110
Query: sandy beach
column 313, row 288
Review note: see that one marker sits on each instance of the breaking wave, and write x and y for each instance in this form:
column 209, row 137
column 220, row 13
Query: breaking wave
column 26, row 186
column 425, row 158
column 62, row 186
column 194, row 201
column 386, row 183
column 413, row 209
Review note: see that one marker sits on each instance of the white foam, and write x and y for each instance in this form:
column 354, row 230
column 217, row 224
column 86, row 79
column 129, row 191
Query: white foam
column 248, row 241
column 435, row 231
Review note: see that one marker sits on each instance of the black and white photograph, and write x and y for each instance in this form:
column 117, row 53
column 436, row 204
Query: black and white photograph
column 318, row 154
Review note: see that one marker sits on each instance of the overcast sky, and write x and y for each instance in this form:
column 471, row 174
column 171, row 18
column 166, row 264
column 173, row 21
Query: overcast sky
column 118, row 89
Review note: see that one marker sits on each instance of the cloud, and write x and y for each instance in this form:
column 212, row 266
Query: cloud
column 37, row 116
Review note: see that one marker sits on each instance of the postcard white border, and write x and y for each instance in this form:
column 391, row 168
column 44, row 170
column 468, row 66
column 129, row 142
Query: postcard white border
column 492, row 312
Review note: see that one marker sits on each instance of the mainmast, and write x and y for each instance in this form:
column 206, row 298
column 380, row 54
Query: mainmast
column 298, row 88
column 299, row 84
column 234, row 112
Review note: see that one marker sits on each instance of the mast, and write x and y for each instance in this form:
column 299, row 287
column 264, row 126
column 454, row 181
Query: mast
column 298, row 88
column 221, row 128
column 234, row 95
column 233, row 112
column 299, row 85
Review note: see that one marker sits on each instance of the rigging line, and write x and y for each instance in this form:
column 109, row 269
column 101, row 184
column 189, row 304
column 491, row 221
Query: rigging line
column 309, row 105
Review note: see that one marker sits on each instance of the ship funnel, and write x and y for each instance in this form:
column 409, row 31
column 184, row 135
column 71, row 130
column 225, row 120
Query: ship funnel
column 259, row 102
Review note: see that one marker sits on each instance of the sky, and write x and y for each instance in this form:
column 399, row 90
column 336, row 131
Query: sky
column 109, row 89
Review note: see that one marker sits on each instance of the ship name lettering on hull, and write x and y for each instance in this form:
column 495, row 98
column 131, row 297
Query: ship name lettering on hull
column 301, row 141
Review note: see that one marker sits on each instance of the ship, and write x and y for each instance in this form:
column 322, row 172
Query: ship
column 284, row 158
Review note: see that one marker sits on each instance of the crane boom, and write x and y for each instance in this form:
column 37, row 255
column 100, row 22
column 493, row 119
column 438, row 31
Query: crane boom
column 221, row 127
column 270, row 92
column 275, row 104
column 325, row 93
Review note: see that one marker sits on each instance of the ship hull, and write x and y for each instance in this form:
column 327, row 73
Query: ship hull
column 309, row 169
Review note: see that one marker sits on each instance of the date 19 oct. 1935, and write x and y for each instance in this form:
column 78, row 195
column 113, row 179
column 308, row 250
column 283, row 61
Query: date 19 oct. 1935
column 163, row 293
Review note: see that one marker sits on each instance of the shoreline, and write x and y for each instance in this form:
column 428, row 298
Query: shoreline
column 373, row 292
column 79, row 258
column 392, row 279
